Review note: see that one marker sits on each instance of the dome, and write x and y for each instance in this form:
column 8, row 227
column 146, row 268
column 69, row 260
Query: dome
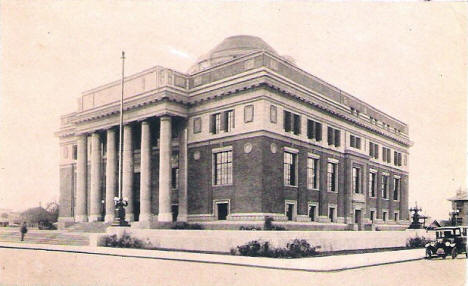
column 231, row 48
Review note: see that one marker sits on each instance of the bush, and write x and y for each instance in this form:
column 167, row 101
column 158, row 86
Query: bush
column 250, row 227
column 296, row 248
column 268, row 224
column 184, row 225
column 417, row 242
column 125, row 241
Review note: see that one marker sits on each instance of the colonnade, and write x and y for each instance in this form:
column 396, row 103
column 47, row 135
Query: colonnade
column 83, row 213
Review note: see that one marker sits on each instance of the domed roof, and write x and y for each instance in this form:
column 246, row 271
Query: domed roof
column 231, row 48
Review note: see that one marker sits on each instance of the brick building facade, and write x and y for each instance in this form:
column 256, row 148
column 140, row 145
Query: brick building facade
column 243, row 135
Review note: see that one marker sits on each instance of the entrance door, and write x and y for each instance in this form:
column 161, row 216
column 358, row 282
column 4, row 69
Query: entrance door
column 222, row 211
column 175, row 212
column 289, row 211
column 357, row 218
column 136, row 196
column 312, row 213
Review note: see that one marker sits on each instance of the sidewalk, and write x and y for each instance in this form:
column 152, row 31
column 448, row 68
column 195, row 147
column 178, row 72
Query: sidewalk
column 313, row 264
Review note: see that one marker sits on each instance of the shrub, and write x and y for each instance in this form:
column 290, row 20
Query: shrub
column 185, row 225
column 417, row 242
column 268, row 224
column 125, row 241
column 250, row 227
column 296, row 248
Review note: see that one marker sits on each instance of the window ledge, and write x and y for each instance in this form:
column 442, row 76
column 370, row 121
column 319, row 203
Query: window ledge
column 291, row 186
column 225, row 185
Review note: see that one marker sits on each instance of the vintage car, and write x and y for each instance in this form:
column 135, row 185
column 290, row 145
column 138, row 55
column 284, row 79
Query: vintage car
column 450, row 240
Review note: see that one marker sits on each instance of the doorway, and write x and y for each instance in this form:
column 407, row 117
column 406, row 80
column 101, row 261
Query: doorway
column 289, row 211
column 357, row 218
column 175, row 212
column 222, row 210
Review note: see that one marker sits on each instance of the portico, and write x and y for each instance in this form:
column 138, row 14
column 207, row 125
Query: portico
column 146, row 142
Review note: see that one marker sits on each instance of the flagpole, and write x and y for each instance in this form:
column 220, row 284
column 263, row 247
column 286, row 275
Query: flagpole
column 120, row 203
column 121, row 126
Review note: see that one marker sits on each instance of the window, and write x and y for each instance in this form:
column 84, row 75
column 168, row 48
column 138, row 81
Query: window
column 396, row 158
column 334, row 136
column 197, row 125
column 175, row 171
column 223, row 168
column 75, row 152
column 385, row 186
column 374, row 150
column 355, row 141
column 248, row 113
column 292, row 122
column 332, row 214
column 331, row 176
column 396, row 214
column 222, row 121
column 396, row 189
column 312, row 173
column 356, row 180
column 372, row 180
column 290, row 163
column 314, row 130
column 372, row 215
column 273, row 114
column 386, row 155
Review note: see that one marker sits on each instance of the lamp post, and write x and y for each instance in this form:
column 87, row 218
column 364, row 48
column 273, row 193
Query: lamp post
column 120, row 202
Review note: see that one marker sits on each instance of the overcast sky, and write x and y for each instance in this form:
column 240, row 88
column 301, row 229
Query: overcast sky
column 408, row 60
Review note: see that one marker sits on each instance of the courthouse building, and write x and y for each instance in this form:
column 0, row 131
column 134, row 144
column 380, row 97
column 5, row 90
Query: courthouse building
column 244, row 134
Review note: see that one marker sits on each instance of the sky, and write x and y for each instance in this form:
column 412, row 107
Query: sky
column 406, row 59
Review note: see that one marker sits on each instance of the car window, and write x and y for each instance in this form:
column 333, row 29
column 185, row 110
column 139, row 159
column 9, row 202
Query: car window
column 464, row 231
column 447, row 233
column 457, row 231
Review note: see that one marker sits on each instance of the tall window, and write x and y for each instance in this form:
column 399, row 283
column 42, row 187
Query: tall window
column 386, row 155
column 222, row 121
column 384, row 216
column 396, row 189
column 355, row 141
column 223, row 168
column 334, row 136
column 314, row 130
column 385, row 186
column 175, row 171
column 331, row 176
column 312, row 173
column 396, row 158
column 290, row 162
column 292, row 122
column 372, row 179
column 356, row 180
column 374, row 150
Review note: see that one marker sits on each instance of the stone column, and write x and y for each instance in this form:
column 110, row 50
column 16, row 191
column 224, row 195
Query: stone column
column 182, row 216
column 165, row 152
column 111, row 172
column 127, row 171
column 95, row 194
column 81, row 177
column 145, row 174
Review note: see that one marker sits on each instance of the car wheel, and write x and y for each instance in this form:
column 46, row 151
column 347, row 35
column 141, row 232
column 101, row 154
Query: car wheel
column 454, row 253
column 428, row 253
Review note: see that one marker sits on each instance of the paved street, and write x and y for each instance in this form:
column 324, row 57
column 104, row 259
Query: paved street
column 32, row 267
